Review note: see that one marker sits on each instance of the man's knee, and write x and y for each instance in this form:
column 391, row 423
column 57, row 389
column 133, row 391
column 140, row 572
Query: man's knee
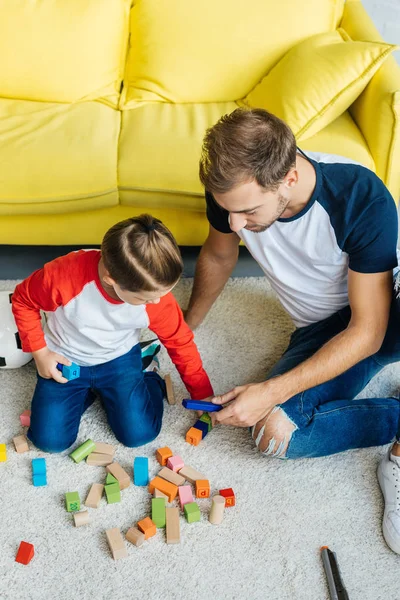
column 273, row 434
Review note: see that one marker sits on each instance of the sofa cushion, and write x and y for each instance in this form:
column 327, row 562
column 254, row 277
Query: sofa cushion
column 317, row 80
column 63, row 50
column 57, row 158
column 214, row 51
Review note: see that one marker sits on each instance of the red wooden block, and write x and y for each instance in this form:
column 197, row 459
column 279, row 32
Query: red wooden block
column 229, row 496
column 25, row 553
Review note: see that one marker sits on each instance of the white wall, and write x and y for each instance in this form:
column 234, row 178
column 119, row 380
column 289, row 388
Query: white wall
column 386, row 16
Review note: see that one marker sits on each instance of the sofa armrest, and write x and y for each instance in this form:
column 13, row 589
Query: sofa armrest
column 377, row 110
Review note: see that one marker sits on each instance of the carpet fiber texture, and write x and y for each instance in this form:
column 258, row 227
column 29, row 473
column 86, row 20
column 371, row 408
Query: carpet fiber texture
column 267, row 546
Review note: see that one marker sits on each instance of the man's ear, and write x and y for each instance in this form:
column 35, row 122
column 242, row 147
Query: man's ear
column 291, row 178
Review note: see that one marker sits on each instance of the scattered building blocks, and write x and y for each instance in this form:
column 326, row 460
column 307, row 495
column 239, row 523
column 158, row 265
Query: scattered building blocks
column 72, row 501
column 69, row 372
column 3, row 453
column 202, row 426
column 175, row 463
column 135, row 536
column 120, row 475
column 83, row 451
column 102, row 448
column 25, row 418
column 39, row 475
column 141, row 470
column 170, row 476
column 185, row 495
column 163, row 454
column 170, row 390
column 148, row 527
column 192, row 512
column 206, row 418
column 81, row 518
column 194, row 436
column 172, row 528
column 217, row 510
column 202, row 488
column 94, row 495
column 110, row 479
column 158, row 494
column 116, row 543
column 190, row 474
column 25, row 553
column 21, row 444
column 158, row 512
column 164, row 486
column 113, row 493
column 99, row 460
column 229, row 496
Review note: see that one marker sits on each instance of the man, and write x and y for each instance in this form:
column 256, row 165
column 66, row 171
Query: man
column 324, row 231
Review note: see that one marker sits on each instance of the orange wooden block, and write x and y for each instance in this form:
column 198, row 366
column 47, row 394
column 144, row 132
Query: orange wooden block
column 163, row 454
column 164, row 486
column 148, row 527
column 194, row 436
column 202, row 488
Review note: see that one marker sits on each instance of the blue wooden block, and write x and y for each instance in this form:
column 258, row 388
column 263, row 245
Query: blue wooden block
column 201, row 405
column 39, row 466
column 202, row 426
column 141, row 470
column 39, row 480
column 71, row 372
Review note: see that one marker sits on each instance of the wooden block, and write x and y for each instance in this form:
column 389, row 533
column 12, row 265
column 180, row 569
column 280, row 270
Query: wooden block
column 102, row 448
column 170, row 390
column 158, row 512
column 21, row 444
column 173, row 530
column 83, row 451
column 148, row 527
column 192, row 512
column 25, row 553
column 135, row 537
column 163, row 454
column 202, row 426
column 38, row 466
column 185, row 495
column 113, row 493
column 229, row 496
column 141, row 470
column 158, row 494
column 194, row 436
column 72, row 501
column 175, row 463
column 170, row 476
column 205, row 417
column 81, row 518
column 202, row 488
column 190, row 474
column 120, row 475
column 39, row 480
column 164, row 486
column 99, row 460
column 3, row 453
column 94, row 495
column 116, row 543
column 25, row 418
column 217, row 510
column 110, row 479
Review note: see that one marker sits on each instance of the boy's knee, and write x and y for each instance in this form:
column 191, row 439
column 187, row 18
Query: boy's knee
column 50, row 443
column 133, row 439
column 273, row 434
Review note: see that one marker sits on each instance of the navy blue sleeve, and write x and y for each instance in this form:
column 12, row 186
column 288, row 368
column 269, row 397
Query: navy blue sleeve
column 217, row 216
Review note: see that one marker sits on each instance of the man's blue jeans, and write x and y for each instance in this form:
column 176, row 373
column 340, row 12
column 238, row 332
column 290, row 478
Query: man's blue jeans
column 327, row 418
column 133, row 401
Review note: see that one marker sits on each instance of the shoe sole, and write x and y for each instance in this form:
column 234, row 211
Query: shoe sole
column 393, row 545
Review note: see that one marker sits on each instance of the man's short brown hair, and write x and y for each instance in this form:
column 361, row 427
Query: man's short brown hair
column 247, row 145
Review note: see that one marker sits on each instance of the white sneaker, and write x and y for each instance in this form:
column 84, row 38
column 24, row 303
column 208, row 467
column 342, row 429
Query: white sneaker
column 389, row 480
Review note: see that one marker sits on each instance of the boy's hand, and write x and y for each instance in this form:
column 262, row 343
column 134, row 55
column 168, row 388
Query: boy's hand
column 46, row 364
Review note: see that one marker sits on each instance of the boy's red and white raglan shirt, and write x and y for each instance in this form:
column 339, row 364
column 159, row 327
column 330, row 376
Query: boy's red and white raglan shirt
column 89, row 327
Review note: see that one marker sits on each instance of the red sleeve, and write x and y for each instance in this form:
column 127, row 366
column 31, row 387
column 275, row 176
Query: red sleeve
column 167, row 322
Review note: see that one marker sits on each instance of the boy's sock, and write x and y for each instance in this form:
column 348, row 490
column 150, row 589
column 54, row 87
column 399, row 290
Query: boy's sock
column 150, row 349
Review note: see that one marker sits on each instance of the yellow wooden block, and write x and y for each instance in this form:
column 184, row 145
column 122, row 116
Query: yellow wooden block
column 3, row 453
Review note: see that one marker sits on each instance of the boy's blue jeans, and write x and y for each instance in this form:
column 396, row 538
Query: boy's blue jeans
column 133, row 401
column 327, row 418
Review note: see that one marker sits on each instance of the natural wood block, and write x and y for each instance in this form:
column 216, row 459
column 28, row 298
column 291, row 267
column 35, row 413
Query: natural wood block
column 217, row 510
column 164, row 486
column 81, row 518
column 163, row 454
column 170, row 476
column 190, row 474
column 173, row 528
column 158, row 494
column 21, row 444
column 103, row 448
column 94, row 495
column 148, row 527
column 135, row 537
column 170, row 390
column 116, row 543
column 120, row 475
column 99, row 460
column 194, row 436
column 202, row 488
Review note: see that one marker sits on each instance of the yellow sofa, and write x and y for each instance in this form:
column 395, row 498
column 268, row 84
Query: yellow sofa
column 104, row 104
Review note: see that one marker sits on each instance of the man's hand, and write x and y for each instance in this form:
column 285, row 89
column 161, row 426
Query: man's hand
column 46, row 364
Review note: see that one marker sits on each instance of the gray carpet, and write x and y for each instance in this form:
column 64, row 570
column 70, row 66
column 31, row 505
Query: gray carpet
column 267, row 546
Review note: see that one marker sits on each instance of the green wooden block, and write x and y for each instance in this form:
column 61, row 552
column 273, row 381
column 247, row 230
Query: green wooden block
column 113, row 493
column 110, row 479
column 192, row 512
column 158, row 512
column 83, row 451
column 72, row 501
column 205, row 417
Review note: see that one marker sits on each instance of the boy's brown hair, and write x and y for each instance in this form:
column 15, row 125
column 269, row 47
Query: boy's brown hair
column 141, row 254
